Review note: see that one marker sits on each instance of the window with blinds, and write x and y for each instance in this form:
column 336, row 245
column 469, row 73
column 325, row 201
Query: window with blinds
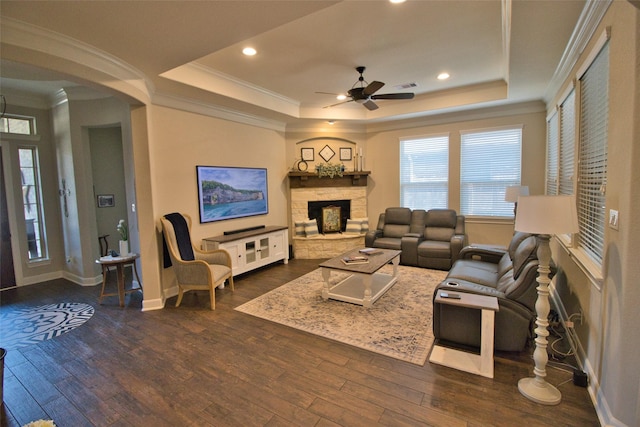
column 552, row 155
column 424, row 172
column 567, row 144
column 592, row 155
column 490, row 161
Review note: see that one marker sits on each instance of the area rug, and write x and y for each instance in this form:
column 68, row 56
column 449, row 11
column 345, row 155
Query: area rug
column 29, row 326
column 398, row 325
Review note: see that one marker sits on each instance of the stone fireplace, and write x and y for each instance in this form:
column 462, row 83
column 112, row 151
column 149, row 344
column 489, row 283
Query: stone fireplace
column 327, row 191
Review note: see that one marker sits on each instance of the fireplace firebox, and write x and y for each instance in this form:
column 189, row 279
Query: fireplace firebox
column 329, row 208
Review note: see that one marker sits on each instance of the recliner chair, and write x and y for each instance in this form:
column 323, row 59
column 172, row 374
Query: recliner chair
column 393, row 224
column 507, row 274
column 438, row 243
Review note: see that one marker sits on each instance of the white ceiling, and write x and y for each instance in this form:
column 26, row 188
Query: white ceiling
column 497, row 51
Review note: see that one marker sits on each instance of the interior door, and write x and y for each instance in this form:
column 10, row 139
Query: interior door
column 7, row 274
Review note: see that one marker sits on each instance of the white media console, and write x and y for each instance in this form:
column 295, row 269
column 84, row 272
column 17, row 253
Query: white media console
column 253, row 248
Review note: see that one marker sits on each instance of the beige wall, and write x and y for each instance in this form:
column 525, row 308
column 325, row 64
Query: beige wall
column 181, row 140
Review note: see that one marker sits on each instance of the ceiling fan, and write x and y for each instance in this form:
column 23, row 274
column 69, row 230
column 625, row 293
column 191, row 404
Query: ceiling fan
column 363, row 92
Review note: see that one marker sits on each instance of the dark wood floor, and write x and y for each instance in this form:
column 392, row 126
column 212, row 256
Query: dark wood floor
column 191, row 366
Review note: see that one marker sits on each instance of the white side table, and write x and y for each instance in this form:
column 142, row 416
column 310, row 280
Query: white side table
column 479, row 364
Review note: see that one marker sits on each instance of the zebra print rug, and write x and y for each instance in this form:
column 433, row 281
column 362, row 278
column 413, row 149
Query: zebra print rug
column 24, row 327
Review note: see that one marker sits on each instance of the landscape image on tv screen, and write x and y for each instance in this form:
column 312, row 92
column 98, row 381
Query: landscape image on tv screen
column 231, row 192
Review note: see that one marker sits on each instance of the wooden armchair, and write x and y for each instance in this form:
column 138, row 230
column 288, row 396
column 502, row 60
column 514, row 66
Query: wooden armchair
column 194, row 269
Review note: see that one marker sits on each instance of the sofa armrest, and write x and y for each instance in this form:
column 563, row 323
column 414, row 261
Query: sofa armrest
column 409, row 246
column 484, row 253
column 458, row 285
column 457, row 244
column 371, row 236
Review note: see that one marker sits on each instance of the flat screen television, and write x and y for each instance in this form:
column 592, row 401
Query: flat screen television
column 231, row 192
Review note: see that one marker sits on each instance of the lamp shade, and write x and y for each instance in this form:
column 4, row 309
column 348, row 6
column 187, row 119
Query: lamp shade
column 547, row 215
column 512, row 192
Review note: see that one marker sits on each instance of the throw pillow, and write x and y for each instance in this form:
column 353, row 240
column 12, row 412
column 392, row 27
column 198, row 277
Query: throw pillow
column 353, row 227
column 364, row 224
column 299, row 229
column 311, row 228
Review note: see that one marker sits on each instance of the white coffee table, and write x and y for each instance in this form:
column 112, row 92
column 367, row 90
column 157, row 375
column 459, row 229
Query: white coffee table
column 366, row 283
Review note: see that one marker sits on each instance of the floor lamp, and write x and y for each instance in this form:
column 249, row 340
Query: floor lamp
column 512, row 193
column 544, row 216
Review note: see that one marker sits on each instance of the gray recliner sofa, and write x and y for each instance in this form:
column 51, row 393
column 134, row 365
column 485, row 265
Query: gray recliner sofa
column 429, row 239
column 509, row 274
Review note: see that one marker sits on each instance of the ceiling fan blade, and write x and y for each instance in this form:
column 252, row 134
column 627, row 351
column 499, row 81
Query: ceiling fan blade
column 372, row 88
column 339, row 103
column 370, row 105
column 393, row 96
column 327, row 93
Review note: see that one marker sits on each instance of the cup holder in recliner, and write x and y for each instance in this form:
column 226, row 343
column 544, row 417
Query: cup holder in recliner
column 452, row 284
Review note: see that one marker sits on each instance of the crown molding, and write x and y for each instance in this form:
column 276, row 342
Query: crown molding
column 205, row 78
column 27, row 36
column 592, row 14
column 189, row 105
column 75, row 93
column 487, row 112
column 21, row 99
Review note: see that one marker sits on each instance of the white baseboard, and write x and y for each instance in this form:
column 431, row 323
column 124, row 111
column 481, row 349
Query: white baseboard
column 82, row 281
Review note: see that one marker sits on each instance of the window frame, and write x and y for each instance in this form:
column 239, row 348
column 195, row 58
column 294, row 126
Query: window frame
column 40, row 229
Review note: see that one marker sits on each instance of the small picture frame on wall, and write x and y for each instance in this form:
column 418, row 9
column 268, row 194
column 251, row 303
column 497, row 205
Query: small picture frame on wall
column 106, row 201
column 345, row 153
column 327, row 153
column 307, row 154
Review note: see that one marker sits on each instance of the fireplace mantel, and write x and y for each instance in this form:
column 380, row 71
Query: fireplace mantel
column 312, row 180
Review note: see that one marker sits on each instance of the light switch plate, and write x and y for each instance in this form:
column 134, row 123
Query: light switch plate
column 613, row 219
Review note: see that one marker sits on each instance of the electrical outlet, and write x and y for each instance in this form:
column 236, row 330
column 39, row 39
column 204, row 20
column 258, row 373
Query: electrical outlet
column 613, row 219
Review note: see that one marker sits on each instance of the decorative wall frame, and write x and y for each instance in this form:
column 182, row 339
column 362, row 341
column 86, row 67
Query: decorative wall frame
column 307, row 154
column 345, row 154
column 106, row 201
column 327, row 153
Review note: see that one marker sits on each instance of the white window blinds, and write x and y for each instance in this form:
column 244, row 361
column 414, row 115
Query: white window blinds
column 424, row 172
column 490, row 161
column 552, row 155
column 592, row 157
column 567, row 144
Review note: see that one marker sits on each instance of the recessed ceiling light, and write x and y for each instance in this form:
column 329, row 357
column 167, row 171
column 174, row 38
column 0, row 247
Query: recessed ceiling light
column 443, row 76
column 341, row 97
column 249, row 51
column 396, row 1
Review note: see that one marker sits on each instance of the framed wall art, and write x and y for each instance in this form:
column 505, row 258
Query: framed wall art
column 231, row 192
column 327, row 153
column 306, row 154
column 345, row 154
column 106, row 201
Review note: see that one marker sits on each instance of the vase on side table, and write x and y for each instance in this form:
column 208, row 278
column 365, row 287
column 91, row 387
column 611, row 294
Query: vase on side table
column 124, row 247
